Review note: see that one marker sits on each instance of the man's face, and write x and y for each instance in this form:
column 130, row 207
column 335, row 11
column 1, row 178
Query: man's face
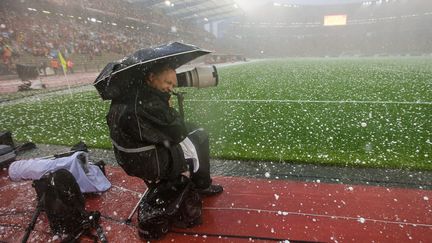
column 164, row 81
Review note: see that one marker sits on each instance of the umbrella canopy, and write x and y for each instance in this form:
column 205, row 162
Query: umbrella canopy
column 120, row 76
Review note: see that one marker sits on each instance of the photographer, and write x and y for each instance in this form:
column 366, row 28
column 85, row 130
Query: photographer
column 150, row 137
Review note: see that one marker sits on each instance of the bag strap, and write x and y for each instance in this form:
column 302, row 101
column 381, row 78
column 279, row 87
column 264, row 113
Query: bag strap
column 25, row 147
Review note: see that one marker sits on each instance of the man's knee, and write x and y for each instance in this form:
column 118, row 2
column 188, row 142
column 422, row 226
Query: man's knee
column 199, row 136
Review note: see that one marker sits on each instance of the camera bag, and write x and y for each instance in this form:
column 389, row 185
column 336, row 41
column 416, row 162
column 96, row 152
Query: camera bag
column 60, row 197
column 169, row 203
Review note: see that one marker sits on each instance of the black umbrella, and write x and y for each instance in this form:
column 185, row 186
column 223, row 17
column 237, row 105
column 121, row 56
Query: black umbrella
column 120, row 76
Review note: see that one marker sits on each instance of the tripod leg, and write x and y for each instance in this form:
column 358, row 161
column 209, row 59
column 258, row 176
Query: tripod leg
column 101, row 234
column 33, row 221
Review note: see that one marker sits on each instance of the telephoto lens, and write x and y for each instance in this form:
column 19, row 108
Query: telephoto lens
column 199, row 77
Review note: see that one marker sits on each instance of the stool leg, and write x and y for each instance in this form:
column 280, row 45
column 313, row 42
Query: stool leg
column 129, row 219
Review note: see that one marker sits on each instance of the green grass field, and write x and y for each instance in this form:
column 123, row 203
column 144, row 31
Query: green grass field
column 354, row 112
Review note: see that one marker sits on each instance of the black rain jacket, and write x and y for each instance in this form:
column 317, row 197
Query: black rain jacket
column 144, row 118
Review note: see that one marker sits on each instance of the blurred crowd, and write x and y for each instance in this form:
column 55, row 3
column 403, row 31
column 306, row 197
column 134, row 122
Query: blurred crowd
column 384, row 28
column 88, row 27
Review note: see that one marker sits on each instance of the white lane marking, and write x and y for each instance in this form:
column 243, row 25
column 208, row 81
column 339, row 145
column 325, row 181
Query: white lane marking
column 126, row 189
column 286, row 213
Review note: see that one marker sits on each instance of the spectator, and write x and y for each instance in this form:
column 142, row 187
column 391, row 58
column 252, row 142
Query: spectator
column 42, row 68
column 70, row 65
column 55, row 65
column 7, row 56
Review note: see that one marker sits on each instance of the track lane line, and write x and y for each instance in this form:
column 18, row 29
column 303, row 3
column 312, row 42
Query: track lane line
column 286, row 213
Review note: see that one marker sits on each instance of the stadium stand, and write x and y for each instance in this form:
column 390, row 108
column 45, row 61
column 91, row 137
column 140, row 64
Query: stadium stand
column 89, row 32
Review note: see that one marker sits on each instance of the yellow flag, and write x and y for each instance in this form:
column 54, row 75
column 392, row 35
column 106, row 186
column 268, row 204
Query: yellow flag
column 62, row 61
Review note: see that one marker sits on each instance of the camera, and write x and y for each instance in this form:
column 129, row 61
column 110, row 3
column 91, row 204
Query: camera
column 199, row 77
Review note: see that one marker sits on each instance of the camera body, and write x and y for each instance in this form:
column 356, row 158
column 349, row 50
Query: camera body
column 199, row 77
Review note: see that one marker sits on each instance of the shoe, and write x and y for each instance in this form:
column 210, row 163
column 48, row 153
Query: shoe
column 211, row 190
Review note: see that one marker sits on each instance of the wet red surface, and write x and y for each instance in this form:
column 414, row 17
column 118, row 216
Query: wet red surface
column 248, row 210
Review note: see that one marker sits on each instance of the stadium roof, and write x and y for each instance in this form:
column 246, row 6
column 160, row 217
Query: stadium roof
column 202, row 11
column 196, row 10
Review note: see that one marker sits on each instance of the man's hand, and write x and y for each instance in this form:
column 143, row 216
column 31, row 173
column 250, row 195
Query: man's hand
column 170, row 102
column 186, row 173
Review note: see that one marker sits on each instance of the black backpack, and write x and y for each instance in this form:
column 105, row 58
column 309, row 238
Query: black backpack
column 169, row 204
column 60, row 197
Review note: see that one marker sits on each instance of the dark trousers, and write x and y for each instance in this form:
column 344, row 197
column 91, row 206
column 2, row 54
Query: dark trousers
column 200, row 140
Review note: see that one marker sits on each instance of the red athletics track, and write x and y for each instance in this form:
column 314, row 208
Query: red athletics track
column 53, row 81
column 249, row 210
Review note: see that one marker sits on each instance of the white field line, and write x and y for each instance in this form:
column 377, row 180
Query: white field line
column 319, row 101
column 285, row 213
column 391, row 69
